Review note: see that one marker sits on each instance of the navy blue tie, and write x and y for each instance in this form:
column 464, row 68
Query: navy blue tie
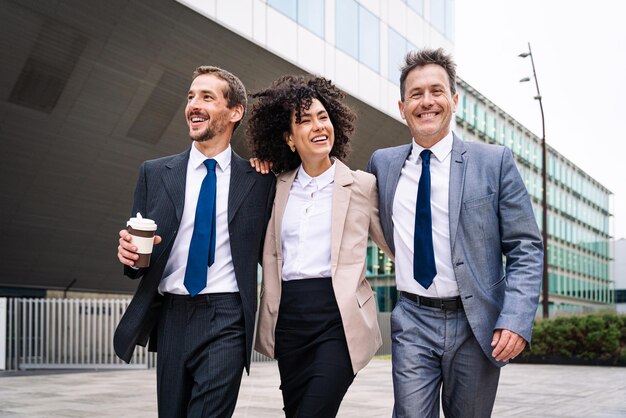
column 424, row 270
column 202, row 247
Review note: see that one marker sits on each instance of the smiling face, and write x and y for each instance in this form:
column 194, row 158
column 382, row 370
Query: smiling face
column 314, row 136
column 428, row 104
column 207, row 112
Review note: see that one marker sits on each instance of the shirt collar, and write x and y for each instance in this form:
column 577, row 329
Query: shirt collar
column 196, row 158
column 322, row 180
column 440, row 150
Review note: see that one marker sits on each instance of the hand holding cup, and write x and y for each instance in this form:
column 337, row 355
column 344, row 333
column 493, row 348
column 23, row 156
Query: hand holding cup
column 136, row 242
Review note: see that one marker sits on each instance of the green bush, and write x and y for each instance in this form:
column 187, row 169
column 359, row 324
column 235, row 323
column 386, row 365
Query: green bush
column 599, row 338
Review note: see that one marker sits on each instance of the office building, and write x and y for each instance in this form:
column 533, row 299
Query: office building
column 90, row 90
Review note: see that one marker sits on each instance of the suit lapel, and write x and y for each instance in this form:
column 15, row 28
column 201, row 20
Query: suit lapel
column 341, row 202
column 283, row 186
column 241, row 181
column 174, row 179
column 458, row 163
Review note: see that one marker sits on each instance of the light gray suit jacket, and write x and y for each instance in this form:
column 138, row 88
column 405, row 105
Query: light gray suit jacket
column 490, row 216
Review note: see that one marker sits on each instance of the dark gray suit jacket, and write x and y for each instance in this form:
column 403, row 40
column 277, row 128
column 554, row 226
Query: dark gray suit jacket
column 160, row 195
column 490, row 216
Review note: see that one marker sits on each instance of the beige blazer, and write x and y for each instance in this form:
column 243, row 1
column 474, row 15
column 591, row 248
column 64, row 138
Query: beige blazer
column 354, row 214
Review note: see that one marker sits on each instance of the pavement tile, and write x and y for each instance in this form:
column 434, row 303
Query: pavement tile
column 525, row 391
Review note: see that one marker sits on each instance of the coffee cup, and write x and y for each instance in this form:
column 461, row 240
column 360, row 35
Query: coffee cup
column 142, row 232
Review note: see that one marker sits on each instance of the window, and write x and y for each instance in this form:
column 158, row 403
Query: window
column 450, row 20
column 308, row 13
column 480, row 119
column 347, row 27
column 287, row 7
column 501, row 137
column 491, row 125
column 417, row 6
column 369, row 39
column 311, row 16
column 442, row 17
column 397, row 50
column 357, row 33
column 438, row 15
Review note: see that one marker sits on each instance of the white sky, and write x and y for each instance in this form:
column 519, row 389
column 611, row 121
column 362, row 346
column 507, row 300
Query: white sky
column 579, row 48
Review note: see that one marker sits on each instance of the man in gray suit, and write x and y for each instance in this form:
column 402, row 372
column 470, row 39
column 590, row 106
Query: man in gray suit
column 198, row 298
column 450, row 211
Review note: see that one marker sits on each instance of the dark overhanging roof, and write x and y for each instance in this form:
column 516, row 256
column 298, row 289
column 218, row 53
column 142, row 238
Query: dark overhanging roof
column 88, row 90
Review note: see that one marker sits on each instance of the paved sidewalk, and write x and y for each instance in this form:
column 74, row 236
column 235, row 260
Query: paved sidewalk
column 525, row 391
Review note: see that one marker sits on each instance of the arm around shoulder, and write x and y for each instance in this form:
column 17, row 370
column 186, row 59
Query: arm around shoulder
column 375, row 228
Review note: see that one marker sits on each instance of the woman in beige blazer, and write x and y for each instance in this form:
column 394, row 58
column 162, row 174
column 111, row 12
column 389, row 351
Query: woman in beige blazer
column 317, row 314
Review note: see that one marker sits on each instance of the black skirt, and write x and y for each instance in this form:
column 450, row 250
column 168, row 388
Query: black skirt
column 313, row 358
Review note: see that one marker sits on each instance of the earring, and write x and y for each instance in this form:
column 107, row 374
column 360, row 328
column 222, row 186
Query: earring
column 292, row 147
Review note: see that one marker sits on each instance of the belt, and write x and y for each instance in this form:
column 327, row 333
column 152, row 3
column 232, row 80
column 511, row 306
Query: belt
column 200, row 297
column 449, row 304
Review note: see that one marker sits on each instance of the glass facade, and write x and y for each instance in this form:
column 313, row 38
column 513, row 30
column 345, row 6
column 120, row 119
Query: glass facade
column 357, row 30
column 287, row 7
column 441, row 14
column 347, row 27
column 380, row 272
column 369, row 39
column 578, row 207
column 357, row 33
column 397, row 47
column 308, row 13
column 311, row 16
column 416, row 5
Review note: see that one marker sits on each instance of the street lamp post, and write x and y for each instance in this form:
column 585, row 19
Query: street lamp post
column 544, row 195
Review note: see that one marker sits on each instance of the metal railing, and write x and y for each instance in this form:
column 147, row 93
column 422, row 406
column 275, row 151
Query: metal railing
column 78, row 334
column 66, row 334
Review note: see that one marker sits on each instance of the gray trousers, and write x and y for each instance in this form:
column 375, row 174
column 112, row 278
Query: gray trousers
column 434, row 353
column 200, row 355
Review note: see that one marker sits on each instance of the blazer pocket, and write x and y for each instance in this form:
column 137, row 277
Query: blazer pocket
column 498, row 283
column 364, row 293
column 473, row 203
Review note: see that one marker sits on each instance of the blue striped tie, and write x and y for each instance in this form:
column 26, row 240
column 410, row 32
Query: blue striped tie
column 202, row 247
column 424, row 269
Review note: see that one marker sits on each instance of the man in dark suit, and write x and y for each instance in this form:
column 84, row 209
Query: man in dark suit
column 198, row 297
column 450, row 210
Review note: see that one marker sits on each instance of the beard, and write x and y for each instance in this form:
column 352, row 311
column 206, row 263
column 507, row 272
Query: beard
column 217, row 125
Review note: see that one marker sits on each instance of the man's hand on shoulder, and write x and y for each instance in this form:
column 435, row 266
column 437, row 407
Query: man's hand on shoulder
column 126, row 251
column 262, row 167
column 507, row 344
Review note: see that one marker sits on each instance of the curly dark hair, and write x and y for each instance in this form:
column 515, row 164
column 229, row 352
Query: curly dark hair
column 270, row 118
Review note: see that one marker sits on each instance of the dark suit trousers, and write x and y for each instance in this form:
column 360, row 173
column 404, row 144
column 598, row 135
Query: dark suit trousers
column 201, row 355
column 311, row 349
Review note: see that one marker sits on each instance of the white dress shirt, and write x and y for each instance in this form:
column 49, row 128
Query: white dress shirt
column 221, row 275
column 306, row 228
column 444, row 285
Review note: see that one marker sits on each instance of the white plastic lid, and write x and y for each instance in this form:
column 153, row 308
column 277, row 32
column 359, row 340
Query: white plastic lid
column 141, row 224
